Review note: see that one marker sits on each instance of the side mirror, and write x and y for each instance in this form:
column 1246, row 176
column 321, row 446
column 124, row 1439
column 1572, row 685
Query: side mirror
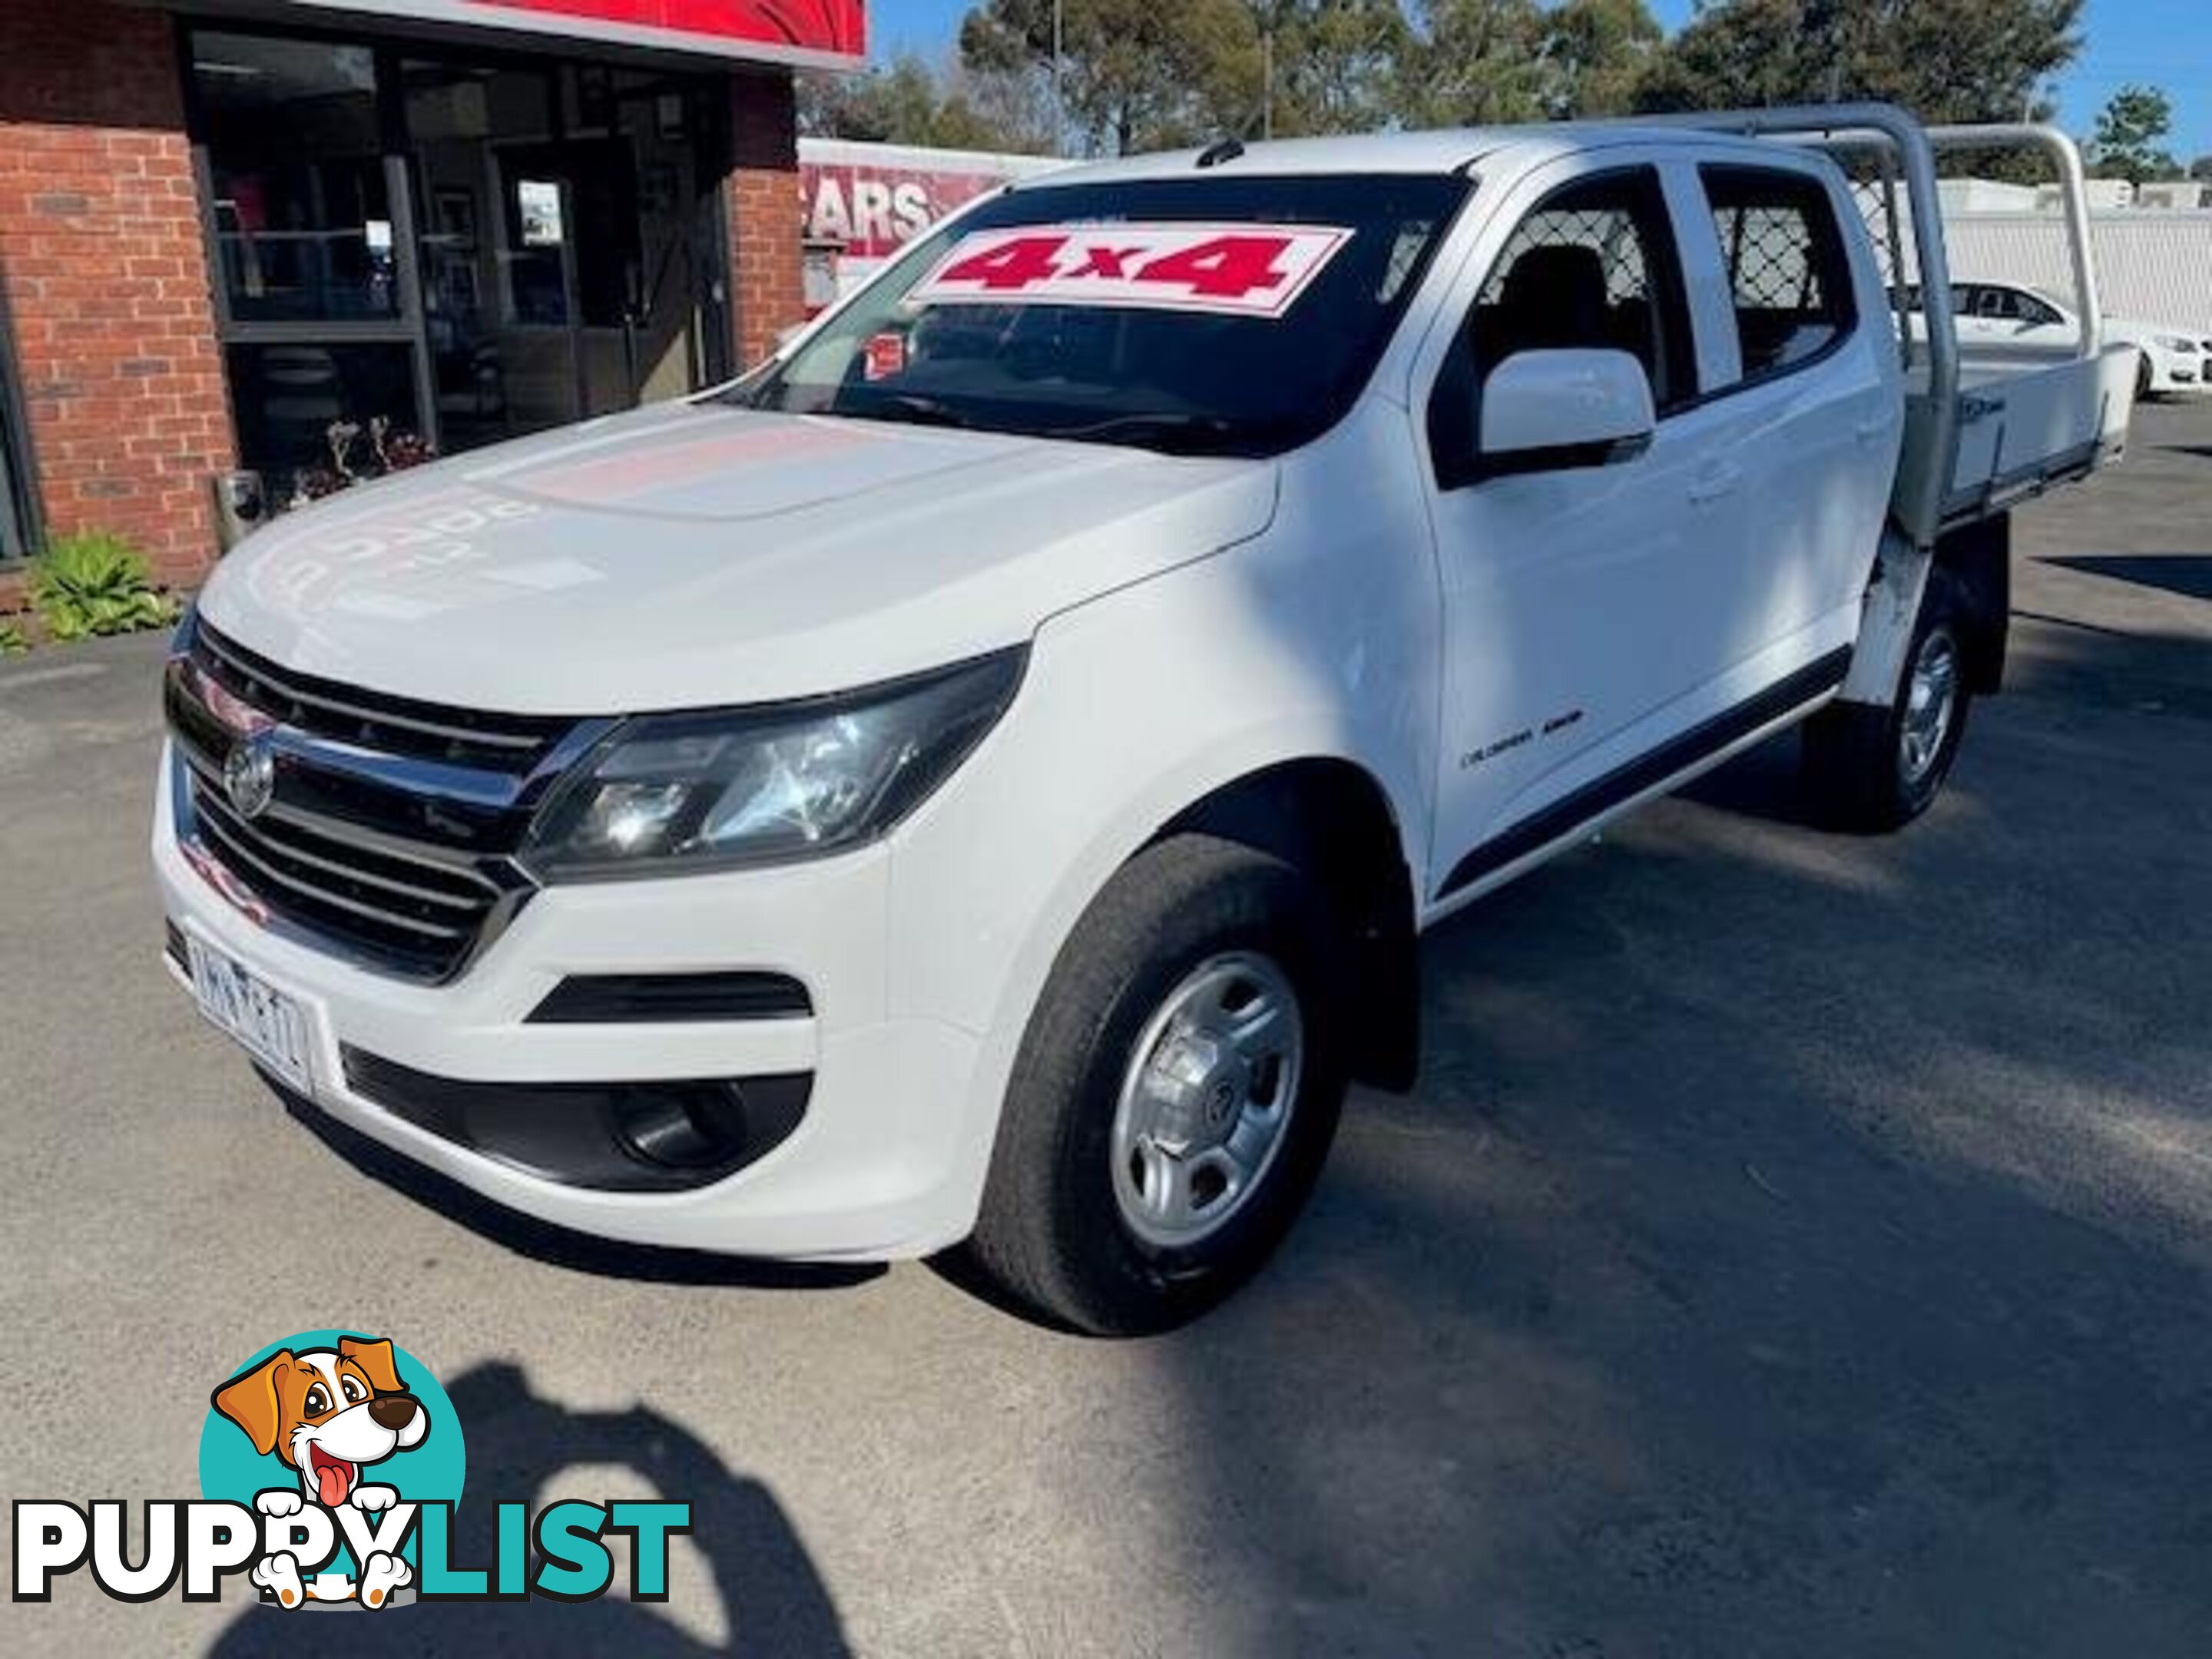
column 1547, row 411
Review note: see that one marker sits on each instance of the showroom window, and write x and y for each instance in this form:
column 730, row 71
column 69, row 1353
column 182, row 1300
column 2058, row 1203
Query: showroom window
column 421, row 252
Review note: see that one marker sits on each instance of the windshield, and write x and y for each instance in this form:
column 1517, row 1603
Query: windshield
column 1200, row 316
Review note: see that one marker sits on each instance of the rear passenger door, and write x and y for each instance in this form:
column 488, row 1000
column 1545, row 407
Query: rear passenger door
column 1802, row 392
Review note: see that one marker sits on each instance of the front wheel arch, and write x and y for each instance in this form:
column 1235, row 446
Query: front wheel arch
column 1334, row 820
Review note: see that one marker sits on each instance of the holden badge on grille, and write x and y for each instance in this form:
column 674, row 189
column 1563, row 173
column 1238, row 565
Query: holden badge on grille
column 249, row 776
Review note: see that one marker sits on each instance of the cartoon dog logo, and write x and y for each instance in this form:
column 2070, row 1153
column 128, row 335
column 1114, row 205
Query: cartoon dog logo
column 329, row 1414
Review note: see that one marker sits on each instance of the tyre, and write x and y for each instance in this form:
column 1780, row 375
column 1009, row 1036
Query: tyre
column 1175, row 1095
column 1872, row 770
column 2143, row 377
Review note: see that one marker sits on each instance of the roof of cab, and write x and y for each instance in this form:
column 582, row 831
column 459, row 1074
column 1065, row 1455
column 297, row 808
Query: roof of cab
column 1445, row 150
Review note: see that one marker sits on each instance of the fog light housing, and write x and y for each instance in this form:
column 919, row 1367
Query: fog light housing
column 610, row 1137
column 682, row 1125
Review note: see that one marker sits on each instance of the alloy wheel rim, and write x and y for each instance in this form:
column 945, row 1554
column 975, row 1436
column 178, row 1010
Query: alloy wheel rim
column 1207, row 1101
column 1931, row 700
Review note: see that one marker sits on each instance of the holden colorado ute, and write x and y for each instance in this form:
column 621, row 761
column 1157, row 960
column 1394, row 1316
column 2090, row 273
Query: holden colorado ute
column 978, row 779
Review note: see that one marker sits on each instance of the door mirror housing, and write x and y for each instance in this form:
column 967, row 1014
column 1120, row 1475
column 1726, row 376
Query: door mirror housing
column 1549, row 411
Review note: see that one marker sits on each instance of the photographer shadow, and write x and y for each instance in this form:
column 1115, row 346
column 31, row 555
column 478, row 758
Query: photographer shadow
column 771, row 1600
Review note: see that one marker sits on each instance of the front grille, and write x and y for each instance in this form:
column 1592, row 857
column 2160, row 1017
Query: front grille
column 390, row 829
column 419, row 918
column 389, row 725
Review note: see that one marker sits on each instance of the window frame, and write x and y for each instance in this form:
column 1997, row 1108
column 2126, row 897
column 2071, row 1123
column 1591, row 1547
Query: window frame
column 21, row 529
column 1843, row 274
column 1672, row 316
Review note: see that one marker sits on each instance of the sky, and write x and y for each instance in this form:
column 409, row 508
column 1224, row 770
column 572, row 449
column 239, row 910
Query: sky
column 2164, row 43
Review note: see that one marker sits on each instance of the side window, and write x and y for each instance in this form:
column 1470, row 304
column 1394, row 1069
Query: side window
column 1787, row 268
column 1593, row 265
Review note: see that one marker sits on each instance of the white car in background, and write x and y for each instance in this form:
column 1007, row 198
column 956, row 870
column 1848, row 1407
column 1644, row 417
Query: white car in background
column 1995, row 316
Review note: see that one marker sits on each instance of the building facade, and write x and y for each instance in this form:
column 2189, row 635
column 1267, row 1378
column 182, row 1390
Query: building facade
column 303, row 239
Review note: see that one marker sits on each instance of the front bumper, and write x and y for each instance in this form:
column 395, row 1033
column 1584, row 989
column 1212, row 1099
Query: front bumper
column 885, row 1161
column 2174, row 374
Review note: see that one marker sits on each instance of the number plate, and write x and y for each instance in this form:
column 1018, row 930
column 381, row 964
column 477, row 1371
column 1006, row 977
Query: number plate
column 268, row 1024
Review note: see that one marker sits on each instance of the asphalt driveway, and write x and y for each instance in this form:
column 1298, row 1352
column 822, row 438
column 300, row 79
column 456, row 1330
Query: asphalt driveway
column 1798, row 1245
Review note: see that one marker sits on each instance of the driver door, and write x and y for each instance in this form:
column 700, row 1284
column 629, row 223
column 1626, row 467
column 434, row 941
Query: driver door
column 1571, row 597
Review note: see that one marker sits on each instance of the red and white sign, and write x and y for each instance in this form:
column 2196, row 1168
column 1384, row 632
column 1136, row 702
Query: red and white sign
column 870, row 200
column 790, row 31
column 870, row 213
column 1237, row 269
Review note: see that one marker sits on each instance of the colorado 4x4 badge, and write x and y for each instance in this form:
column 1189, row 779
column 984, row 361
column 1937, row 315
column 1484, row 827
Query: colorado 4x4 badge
column 330, row 1468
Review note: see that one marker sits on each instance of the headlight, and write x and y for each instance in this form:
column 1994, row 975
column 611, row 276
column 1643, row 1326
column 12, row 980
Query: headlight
column 2175, row 343
column 664, row 793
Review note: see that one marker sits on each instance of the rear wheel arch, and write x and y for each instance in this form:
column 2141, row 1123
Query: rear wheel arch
column 1332, row 818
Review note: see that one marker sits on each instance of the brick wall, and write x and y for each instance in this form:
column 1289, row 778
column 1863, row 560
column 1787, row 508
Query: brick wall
column 766, row 215
column 105, row 277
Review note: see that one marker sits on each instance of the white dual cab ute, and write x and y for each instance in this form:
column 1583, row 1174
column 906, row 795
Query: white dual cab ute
column 978, row 781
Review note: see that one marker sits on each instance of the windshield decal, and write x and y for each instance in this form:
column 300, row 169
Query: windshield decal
column 1235, row 270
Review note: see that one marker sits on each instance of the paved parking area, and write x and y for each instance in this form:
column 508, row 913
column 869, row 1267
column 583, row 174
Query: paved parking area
column 1798, row 1245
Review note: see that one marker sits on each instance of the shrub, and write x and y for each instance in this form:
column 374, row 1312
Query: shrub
column 93, row 582
column 12, row 642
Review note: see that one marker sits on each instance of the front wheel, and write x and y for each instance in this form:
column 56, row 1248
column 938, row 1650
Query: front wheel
column 1175, row 1094
column 1874, row 769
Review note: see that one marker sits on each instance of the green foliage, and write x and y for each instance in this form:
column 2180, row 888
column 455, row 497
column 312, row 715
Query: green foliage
column 1945, row 60
column 1135, row 74
column 2129, row 128
column 909, row 101
column 12, row 642
column 1138, row 75
column 95, row 583
column 1335, row 64
column 1597, row 54
column 1477, row 62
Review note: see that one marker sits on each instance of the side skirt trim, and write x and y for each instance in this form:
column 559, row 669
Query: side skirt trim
column 1678, row 753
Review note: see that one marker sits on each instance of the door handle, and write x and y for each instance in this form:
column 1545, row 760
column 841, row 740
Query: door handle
column 1714, row 482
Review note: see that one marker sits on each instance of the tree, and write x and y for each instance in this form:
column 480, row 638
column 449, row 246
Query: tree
column 2201, row 169
column 909, row 102
column 1475, row 63
column 1327, row 65
column 1597, row 54
column 1945, row 60
column 1141, row 74
column 1135, row 74
column 2129, row 128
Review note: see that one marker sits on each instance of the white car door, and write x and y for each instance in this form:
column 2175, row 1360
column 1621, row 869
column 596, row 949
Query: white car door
column 1806, row 397
column 1565, row 590
column 1607, row 629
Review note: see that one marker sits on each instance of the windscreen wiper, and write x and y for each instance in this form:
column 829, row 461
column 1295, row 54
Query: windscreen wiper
column 911, row 407
column 1159, row 424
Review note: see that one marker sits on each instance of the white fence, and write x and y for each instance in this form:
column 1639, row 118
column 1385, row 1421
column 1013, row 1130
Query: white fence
column 2152, row 266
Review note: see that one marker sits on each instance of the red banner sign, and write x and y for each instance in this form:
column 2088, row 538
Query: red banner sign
column 871, row 211
column 791, row 30
column 838, row 25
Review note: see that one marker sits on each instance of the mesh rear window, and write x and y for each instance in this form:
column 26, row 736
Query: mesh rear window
column 1785, row 262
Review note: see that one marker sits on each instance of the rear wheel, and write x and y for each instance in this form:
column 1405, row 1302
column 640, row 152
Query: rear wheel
column 2143, row 376
column 1176, row 1093
column 1874, row 769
